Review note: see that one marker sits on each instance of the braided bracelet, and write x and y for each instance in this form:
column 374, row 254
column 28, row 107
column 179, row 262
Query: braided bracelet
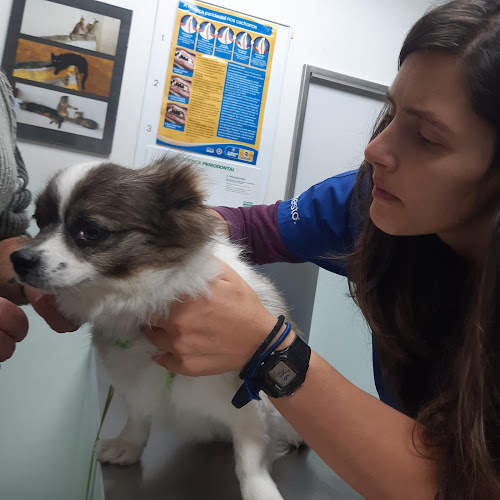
column 249, row 391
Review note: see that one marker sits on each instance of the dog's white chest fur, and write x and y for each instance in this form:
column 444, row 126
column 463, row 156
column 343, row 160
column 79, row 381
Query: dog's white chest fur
column 203, row 404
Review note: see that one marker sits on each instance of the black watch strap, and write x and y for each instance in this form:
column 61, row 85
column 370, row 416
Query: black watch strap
column 262, row 348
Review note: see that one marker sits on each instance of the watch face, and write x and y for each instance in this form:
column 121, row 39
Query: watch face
column 281, row 374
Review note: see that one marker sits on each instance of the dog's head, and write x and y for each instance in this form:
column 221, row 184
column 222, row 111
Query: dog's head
column 105, row 221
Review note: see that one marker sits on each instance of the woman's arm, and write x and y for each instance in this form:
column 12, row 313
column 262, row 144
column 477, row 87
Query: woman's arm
column 308, row 228
column 256, row 228
column 225, row 226
column 366, row 442
column 14, row 194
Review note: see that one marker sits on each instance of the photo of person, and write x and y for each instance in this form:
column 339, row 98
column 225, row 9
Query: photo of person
column 70, row 26
column 175, row 114
column 184, row 59
column 58, row 111
column 180, row 87
column 50, row 65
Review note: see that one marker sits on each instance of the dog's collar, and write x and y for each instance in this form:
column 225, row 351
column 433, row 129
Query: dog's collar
column 170, row 380
column 124, row 344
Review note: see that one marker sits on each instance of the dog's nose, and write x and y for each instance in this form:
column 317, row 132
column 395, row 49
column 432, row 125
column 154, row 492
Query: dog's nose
column 24, row 261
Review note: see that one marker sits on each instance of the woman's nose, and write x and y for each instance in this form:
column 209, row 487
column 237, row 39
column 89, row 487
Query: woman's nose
column 381, row 151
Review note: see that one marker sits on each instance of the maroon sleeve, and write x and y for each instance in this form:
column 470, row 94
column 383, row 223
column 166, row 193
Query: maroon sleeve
column 257, row 229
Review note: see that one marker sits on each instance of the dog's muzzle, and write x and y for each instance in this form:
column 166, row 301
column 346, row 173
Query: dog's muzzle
column 24, row 261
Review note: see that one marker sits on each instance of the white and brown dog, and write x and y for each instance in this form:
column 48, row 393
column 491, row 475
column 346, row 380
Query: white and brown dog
column 116, row 246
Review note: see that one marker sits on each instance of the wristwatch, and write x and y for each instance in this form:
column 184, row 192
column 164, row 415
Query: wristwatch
column 283, row 372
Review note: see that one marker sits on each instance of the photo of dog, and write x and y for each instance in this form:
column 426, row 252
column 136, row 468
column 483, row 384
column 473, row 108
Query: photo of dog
column 116, row 247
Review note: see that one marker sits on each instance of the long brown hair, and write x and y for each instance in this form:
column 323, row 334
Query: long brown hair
column 436, row 318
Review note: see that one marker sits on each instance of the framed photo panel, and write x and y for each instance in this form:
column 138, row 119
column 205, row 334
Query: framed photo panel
column 65, row 61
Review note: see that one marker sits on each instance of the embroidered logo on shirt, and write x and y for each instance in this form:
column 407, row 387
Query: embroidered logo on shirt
column 294, row 207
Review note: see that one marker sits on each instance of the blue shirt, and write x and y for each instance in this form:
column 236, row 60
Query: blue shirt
column 320, row 221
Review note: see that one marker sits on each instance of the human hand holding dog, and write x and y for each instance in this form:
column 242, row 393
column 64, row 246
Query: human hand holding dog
column 9, row 287
column 214, row 334
column 12, row 315
column 13, row 327
column 13, row 321
column 46, row 307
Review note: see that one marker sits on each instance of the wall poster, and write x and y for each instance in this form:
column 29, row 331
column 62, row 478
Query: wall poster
column 221, row 84
column 65, row 60
column 217, row 81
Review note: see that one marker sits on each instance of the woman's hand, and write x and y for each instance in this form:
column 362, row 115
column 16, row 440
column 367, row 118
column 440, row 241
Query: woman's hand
column 215, row 334
column 9, row 287
column 46, row 307
column 13, row 327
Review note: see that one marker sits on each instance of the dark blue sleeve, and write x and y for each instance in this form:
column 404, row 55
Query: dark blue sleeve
column 321, row 221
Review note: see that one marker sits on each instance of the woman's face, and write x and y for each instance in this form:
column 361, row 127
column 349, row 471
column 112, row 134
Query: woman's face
column 429, row 163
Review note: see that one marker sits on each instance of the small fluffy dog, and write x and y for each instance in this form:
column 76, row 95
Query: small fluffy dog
column 117, row 246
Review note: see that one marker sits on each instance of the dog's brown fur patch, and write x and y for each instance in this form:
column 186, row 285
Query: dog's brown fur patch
column 155, row 216
column 47, row 205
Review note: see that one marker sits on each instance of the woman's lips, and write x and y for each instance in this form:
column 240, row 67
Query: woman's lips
column 381, row 194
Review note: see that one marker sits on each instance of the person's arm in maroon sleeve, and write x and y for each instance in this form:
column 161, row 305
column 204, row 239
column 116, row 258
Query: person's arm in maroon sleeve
column 256, row 228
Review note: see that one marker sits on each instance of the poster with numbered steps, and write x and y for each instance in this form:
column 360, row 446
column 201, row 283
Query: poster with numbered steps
column 213, row 93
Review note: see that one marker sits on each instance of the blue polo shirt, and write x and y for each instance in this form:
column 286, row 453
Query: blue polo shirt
column 320, row 221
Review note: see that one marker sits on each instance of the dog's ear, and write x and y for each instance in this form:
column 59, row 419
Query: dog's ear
column 178, row 214
column 177, row 182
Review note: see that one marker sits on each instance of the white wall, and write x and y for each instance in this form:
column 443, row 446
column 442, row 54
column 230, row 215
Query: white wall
column 356, row 37
column 359, row 37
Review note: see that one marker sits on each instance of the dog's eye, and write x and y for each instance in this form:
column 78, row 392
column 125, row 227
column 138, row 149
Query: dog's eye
column 90, row 233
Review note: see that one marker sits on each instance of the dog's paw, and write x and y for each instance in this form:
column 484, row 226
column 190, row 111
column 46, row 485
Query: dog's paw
column 264, row 495
column 117, row 451
column 259, row 488
column 268, row 495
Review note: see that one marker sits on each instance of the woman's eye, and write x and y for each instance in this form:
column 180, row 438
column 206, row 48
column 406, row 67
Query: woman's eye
column 426, row 141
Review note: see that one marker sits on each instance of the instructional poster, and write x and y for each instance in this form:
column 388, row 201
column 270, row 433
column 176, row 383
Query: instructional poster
column 217, row 81
column 213, row 93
